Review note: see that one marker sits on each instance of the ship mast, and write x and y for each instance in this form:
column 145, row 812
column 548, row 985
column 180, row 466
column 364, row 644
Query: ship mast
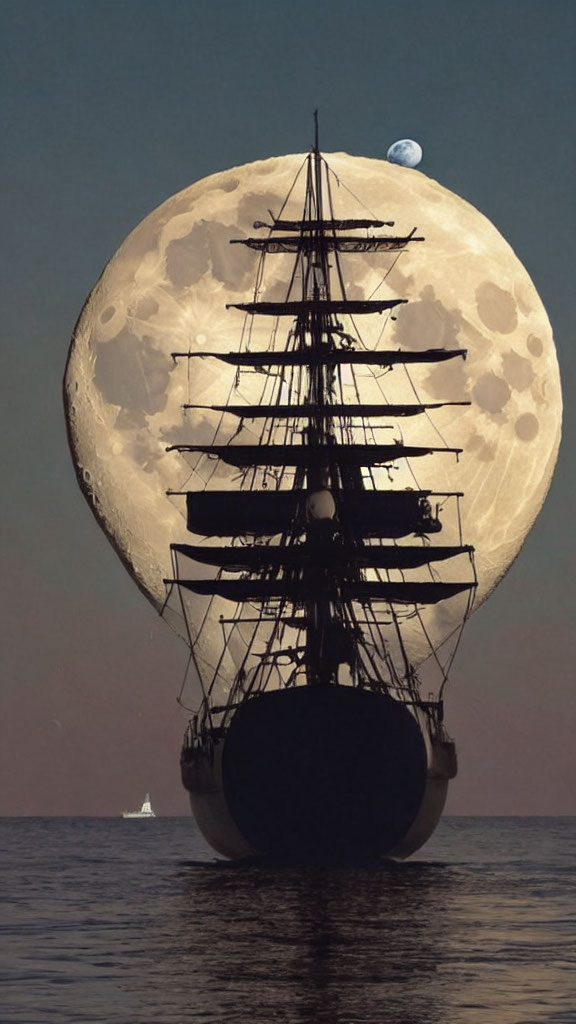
column 319, row 665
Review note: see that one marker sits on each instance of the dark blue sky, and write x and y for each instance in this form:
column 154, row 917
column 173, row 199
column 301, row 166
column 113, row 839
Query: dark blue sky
column 107, row 109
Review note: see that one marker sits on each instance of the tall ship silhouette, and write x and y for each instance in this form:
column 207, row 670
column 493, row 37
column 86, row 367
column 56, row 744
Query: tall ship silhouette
column 317, row 738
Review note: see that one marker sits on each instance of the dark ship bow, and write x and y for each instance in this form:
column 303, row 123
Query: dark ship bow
column 319, row 775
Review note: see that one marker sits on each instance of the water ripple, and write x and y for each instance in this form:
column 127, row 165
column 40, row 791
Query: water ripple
column 113, row 922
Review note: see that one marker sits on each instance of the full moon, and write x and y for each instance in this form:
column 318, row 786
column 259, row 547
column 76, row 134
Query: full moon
column 166, row 290
column 405, row 152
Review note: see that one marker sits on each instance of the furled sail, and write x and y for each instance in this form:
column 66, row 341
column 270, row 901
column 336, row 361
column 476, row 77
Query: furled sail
column 327, row 356
column 264, row 557
column 310, row 455
column 334, row 409
column 390, row 514
column 301, row 591
column 334, row 243
column 318, row 307
column 327, row 224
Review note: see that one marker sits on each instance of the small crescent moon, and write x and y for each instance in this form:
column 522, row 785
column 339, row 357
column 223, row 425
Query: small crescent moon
column 405, row 152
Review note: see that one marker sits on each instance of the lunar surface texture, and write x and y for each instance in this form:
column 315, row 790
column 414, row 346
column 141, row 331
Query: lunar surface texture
column 166, row 291
column 405, row 152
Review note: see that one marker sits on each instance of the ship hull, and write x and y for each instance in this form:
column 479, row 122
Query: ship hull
column 319, row 775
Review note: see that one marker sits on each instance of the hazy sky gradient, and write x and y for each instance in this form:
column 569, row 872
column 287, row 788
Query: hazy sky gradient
column 108, row 108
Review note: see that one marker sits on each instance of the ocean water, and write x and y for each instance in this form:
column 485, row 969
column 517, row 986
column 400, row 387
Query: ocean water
column 128, row 922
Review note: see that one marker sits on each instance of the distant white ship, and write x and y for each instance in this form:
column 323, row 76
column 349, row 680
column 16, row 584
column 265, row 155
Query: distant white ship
column 144, row 812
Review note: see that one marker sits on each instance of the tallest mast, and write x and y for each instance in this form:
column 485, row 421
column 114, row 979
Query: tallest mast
column 320, row 667
column 317, row 170
column 321, row 270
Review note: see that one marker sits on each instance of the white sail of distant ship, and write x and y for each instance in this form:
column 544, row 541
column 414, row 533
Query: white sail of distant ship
column 144, row 812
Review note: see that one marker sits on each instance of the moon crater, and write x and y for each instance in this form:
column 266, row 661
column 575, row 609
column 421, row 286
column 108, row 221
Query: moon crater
column 133, row 374
column 526, row 427
column 491, row 393
column 207, row 247
column 496, row 308
column 517, row 370
column 426, row 324
column 448, row 382
column 484, row 450
column 535, row 346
